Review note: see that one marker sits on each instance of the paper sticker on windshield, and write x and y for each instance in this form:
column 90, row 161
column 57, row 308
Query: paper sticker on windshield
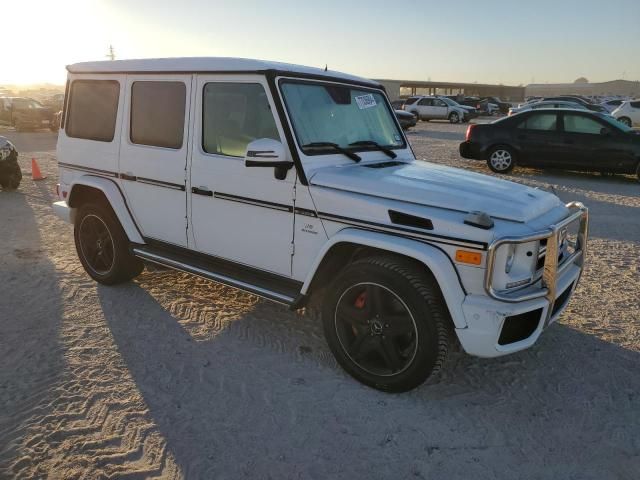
column 366, row 101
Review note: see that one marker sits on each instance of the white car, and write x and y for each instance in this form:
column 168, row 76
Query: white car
column 298, row 185
column 546, row 104
column 438, row 108
column 612, row 104
column 628, row 113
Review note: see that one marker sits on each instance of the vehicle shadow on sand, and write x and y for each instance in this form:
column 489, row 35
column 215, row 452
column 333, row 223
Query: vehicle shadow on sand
column 31, row 355
column 246, row 402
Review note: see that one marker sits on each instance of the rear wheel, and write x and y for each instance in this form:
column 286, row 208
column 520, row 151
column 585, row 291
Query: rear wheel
column 103, row 247
column 386, row 323
column 625, row 120
column 417, row 116
column 501, row 159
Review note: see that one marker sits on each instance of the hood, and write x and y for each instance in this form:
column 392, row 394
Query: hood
column 439, row 186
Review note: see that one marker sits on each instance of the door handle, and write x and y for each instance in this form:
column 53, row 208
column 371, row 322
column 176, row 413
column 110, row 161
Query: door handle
column 202, row 191
column 128, row 176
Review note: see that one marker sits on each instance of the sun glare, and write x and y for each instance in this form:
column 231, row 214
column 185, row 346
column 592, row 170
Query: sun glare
column 49, row 35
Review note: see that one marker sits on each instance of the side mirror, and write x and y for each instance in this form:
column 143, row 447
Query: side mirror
column 266, row 152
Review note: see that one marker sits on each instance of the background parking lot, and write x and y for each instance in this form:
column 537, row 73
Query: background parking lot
column 173, row 376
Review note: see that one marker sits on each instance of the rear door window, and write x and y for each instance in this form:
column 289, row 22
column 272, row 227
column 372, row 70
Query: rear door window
column 157, row 113
column 540, row 122
column 581, row 124
column 93, row 108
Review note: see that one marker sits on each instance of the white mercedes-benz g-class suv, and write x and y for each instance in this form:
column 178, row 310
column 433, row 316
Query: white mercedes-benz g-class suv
column 298, row 185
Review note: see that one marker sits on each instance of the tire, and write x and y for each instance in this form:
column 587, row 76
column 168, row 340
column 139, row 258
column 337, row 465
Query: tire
column 501, row 159
column 10, row 176
column 405, row 342
column 626, row 121
column 454, row 117
column 103, row 247
column 417, row 116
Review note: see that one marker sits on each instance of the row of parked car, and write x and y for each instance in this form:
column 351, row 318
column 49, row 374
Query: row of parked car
column 25, row 113
column 625, row 111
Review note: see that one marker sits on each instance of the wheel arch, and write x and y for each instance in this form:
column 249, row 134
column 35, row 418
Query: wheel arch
column 503, row 143
column 90, row 188
column 351, row 244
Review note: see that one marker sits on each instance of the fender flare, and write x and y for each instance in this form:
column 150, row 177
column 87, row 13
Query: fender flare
column 432, row 257
column 115, row 198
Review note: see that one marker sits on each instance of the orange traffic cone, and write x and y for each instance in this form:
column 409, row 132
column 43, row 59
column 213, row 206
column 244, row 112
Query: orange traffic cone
column 35, row 171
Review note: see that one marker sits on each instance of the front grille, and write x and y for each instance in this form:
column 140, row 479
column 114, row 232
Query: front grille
column 519, row 327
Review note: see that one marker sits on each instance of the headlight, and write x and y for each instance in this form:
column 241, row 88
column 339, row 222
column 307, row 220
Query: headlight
column 4, row 153
column 511, row 256
column 515, row 265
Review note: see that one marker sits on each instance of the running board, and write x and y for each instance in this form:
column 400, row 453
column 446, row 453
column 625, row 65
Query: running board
column 222, row 271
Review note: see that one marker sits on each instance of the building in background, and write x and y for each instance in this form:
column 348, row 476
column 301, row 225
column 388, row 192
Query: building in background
column 625, row 88
column 397, row 89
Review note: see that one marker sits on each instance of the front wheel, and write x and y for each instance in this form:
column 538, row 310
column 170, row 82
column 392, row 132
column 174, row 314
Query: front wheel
column 625, row 121
column 103, row 247
column 454, row 117
column 386, row 323
column 501, row 159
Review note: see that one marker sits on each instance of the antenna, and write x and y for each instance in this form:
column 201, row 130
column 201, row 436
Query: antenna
column 112, row 54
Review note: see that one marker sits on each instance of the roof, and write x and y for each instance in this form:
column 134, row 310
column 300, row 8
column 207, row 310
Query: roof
column 208, row 64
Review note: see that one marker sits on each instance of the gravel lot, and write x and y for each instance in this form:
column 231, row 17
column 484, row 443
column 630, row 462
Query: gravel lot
column 173, row 377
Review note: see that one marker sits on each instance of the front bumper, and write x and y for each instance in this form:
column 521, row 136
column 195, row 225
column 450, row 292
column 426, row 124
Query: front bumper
column 486, row 318
column 64, row 211
column 529, row 310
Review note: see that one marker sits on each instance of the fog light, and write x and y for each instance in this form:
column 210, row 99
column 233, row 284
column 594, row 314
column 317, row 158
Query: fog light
column 519, row 283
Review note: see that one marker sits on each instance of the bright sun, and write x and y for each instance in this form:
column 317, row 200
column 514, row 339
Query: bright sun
column 47, row 35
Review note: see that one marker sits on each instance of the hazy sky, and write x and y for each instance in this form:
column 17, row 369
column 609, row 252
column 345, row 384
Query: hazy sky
column 488, row 41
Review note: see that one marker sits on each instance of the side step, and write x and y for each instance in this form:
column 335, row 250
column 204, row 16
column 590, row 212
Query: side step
column 264, row 284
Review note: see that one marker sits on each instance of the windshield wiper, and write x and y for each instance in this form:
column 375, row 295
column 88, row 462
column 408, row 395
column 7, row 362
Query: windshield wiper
column 353, row 156
column 385, row 150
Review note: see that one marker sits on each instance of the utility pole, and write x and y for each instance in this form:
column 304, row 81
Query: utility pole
column 112, row 54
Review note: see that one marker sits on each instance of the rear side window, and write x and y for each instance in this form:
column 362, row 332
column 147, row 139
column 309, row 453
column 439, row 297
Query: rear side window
column 157, row 113
column 581, row 124
column 635, row 104
column 235, row 114
column 93, row 108
column 540, row 121
column 411, row 100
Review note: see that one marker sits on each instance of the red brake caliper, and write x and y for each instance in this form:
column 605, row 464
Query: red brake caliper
column 361, row 300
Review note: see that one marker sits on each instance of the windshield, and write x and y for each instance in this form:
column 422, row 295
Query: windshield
column 616, row 123
column 342, row 115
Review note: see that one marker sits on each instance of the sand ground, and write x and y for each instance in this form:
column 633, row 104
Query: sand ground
column 170, row 376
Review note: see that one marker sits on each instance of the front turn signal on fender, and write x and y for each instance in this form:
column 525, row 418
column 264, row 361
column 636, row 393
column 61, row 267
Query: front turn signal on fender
column 472, row 258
